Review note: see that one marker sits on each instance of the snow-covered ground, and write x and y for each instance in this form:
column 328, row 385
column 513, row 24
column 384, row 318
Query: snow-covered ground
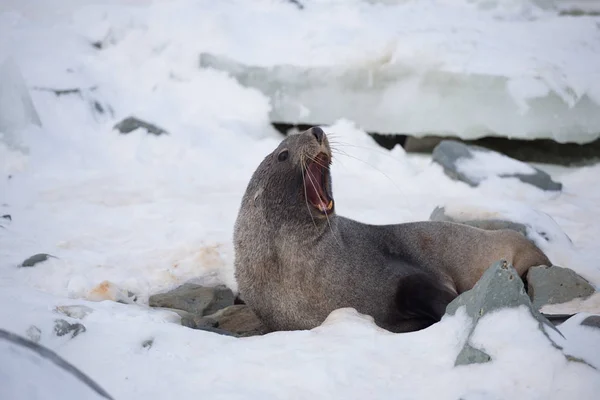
column 142, row 213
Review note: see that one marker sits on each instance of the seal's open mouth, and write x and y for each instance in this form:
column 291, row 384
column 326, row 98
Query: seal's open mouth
column 316, row 184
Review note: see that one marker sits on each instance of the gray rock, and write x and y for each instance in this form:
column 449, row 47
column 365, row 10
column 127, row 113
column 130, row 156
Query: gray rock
column 554, row 285
column 542, row 224
column 448, row 152
column 239, row 320
column 7, row 216
column 62, row 327
column 439, row 214
column 76, row 311
column 499, row 287
column 592, row 320
column 195, row 299
column 35, row 259
column 470, row 355
column 147, row 344
column 34, row 333
column 199, row 322
column 130, row 124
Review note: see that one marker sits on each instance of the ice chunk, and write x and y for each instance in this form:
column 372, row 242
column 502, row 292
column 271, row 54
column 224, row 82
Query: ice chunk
column 17, row 110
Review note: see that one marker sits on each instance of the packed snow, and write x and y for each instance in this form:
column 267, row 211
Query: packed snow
column 482, row 164
column 141, row 214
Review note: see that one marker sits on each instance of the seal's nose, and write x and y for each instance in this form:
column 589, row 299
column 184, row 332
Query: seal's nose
column 318, row 133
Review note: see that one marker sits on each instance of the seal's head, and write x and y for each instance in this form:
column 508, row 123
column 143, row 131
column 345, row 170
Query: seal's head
column 294, row 181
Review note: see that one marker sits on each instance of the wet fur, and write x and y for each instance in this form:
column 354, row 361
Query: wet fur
column 294, row 266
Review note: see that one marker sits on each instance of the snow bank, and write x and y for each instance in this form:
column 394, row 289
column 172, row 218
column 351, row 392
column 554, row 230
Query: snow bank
column 347, row 357
column 451, row 68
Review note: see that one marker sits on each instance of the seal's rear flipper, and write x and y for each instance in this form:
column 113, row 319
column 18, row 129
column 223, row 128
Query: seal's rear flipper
column 420, row 297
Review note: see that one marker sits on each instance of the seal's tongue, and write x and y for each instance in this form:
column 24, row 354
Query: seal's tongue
column 314, row 183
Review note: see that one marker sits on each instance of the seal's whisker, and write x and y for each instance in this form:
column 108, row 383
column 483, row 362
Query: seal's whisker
column 341, row 152
column 316, row 161
column 303, row 167
column 376, row 150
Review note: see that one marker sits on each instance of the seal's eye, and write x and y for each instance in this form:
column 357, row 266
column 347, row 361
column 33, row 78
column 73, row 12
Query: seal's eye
column 283, row 155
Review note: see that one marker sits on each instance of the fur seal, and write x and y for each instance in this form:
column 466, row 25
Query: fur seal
column 296, row 260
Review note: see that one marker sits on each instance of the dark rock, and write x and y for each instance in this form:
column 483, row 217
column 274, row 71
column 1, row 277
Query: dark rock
column 62, row 327
column 130, row 124
column 147, row 344
column 7, row 216
column 593, row 321
column 499, row 287
column 195, row 299
column 553, row 285
column 35, row 259
column 448, row 152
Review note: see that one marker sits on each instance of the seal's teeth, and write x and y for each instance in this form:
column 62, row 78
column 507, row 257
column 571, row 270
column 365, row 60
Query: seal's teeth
column 330, row 204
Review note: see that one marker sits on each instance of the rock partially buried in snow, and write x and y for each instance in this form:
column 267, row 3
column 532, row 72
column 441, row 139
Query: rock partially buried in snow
column 474, row 164
column 130, row 124
column 195, row 299
column 439, row 214
column 35, row 259
column 592, row 320
column 499, row 287
column 537, row 226
column 62, row 328
column 554, row 285
column 237, row 320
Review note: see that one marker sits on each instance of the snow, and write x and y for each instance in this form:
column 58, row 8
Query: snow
column 45, row 380
column 590, row 304
column 142, row 214
column 423, row 67
column 483, row 164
